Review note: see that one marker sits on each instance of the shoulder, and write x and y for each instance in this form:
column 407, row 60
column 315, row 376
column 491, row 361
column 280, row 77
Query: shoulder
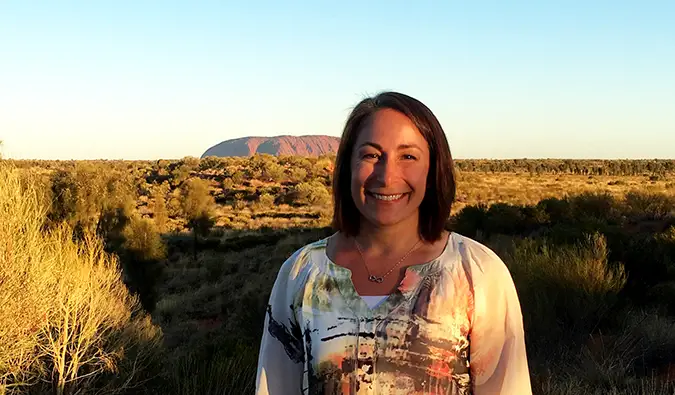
column 301, row 260
column 479, row 259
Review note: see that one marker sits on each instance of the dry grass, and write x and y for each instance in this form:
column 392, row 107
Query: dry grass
column 522, row 188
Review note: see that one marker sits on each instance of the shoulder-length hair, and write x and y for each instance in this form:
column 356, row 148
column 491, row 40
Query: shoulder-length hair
column 440, row 194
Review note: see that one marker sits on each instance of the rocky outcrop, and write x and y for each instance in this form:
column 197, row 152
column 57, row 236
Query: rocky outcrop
column 277, row 145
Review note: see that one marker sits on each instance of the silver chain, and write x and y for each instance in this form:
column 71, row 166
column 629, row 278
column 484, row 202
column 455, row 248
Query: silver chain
column 380, row 279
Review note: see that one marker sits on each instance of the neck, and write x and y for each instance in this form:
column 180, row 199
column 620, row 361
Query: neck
column 386, row 240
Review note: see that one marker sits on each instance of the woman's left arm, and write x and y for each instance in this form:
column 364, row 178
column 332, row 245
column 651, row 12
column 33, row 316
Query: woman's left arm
column 498, row 356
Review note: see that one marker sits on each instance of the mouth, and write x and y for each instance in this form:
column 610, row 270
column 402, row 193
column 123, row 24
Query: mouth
column 387, row 197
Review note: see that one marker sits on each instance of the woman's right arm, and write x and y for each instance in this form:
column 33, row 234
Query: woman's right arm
column 282, row 357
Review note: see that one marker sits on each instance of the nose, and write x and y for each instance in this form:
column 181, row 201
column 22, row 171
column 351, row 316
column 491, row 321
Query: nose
column 386, row 171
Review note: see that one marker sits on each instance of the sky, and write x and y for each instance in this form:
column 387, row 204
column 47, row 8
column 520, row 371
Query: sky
column 169, row 79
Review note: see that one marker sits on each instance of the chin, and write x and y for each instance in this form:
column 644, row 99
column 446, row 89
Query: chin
column 386, row 220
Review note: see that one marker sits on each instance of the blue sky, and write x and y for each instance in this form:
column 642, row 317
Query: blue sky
column 168, row 79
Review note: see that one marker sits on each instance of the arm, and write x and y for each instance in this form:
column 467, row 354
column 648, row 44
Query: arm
column 281, row 359
column 498, row 355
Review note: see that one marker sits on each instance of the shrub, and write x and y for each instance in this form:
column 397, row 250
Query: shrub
column 67, row 323
column 273, row 172
column 197, row 204
column 650, row 206
column 228, row 183
column 238, row 177
column 180, row 175
column 191, row 163
column 565, row 291
column 469, row 220
column 160, row 213
column 143, row 240
column 313, row 192
column 143, row 249
column 297, row 175
column 266, row 200
column 89, row 198
column 210, row 162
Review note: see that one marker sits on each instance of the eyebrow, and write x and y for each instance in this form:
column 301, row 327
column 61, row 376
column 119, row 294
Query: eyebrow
column 400, row 147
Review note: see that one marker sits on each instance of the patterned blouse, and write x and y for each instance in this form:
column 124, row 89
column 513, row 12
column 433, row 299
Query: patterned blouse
column 453, row 326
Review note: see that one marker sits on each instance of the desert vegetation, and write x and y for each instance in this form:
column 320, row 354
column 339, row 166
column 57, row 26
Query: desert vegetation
column 147, row 277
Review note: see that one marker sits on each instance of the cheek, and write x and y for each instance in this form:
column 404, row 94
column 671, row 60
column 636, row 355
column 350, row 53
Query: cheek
column 418, row 176
column 360, row 174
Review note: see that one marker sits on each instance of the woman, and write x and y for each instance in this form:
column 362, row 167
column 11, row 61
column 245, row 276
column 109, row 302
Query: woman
column 392, row 303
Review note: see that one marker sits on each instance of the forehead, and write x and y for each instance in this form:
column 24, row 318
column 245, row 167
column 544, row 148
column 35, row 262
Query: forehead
column 389, row 129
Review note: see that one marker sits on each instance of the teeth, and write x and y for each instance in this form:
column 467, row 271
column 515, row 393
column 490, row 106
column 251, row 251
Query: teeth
column 387, row 197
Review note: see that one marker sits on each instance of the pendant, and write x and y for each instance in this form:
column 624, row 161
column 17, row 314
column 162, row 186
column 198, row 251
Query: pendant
column 375, row 279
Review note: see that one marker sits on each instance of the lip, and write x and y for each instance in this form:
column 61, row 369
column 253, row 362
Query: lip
column 370, row 194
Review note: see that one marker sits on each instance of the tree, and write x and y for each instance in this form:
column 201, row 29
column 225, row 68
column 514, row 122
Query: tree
column 90, row 198
column 198, row 208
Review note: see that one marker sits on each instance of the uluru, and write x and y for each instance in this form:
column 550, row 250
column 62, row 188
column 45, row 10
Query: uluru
column 310, row 145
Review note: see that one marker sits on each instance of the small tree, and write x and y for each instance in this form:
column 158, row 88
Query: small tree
column 159, row 210
column 198, row 208
column 142, row 239
column 143, row 249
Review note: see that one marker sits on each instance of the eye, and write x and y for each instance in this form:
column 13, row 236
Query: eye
column 370, row 156
column 409, row 157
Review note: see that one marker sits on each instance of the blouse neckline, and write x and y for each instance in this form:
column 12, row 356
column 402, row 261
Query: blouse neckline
column 410, row 282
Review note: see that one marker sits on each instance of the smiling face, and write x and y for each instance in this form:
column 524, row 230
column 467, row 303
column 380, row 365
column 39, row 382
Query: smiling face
column 389, row 167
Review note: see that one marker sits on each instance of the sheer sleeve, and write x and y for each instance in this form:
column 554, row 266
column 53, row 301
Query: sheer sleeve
column 498, row 354
column 281, row 358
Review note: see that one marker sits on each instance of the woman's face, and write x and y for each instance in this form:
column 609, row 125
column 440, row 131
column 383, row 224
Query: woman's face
column 390, row 162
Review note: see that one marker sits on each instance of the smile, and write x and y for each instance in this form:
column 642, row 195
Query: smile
column 387, row 198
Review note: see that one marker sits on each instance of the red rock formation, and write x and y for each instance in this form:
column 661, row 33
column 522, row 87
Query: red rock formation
column 277, row 145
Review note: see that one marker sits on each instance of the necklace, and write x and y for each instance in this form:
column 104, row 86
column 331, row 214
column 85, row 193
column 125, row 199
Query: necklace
column 380, row 279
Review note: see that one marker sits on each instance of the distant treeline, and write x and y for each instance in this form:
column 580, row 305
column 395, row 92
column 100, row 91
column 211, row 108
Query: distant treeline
column 614, row 167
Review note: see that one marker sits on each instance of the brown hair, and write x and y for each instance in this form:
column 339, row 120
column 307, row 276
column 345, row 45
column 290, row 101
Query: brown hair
column 440, row 194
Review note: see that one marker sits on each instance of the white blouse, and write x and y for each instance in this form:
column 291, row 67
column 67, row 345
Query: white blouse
column 453, row 326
